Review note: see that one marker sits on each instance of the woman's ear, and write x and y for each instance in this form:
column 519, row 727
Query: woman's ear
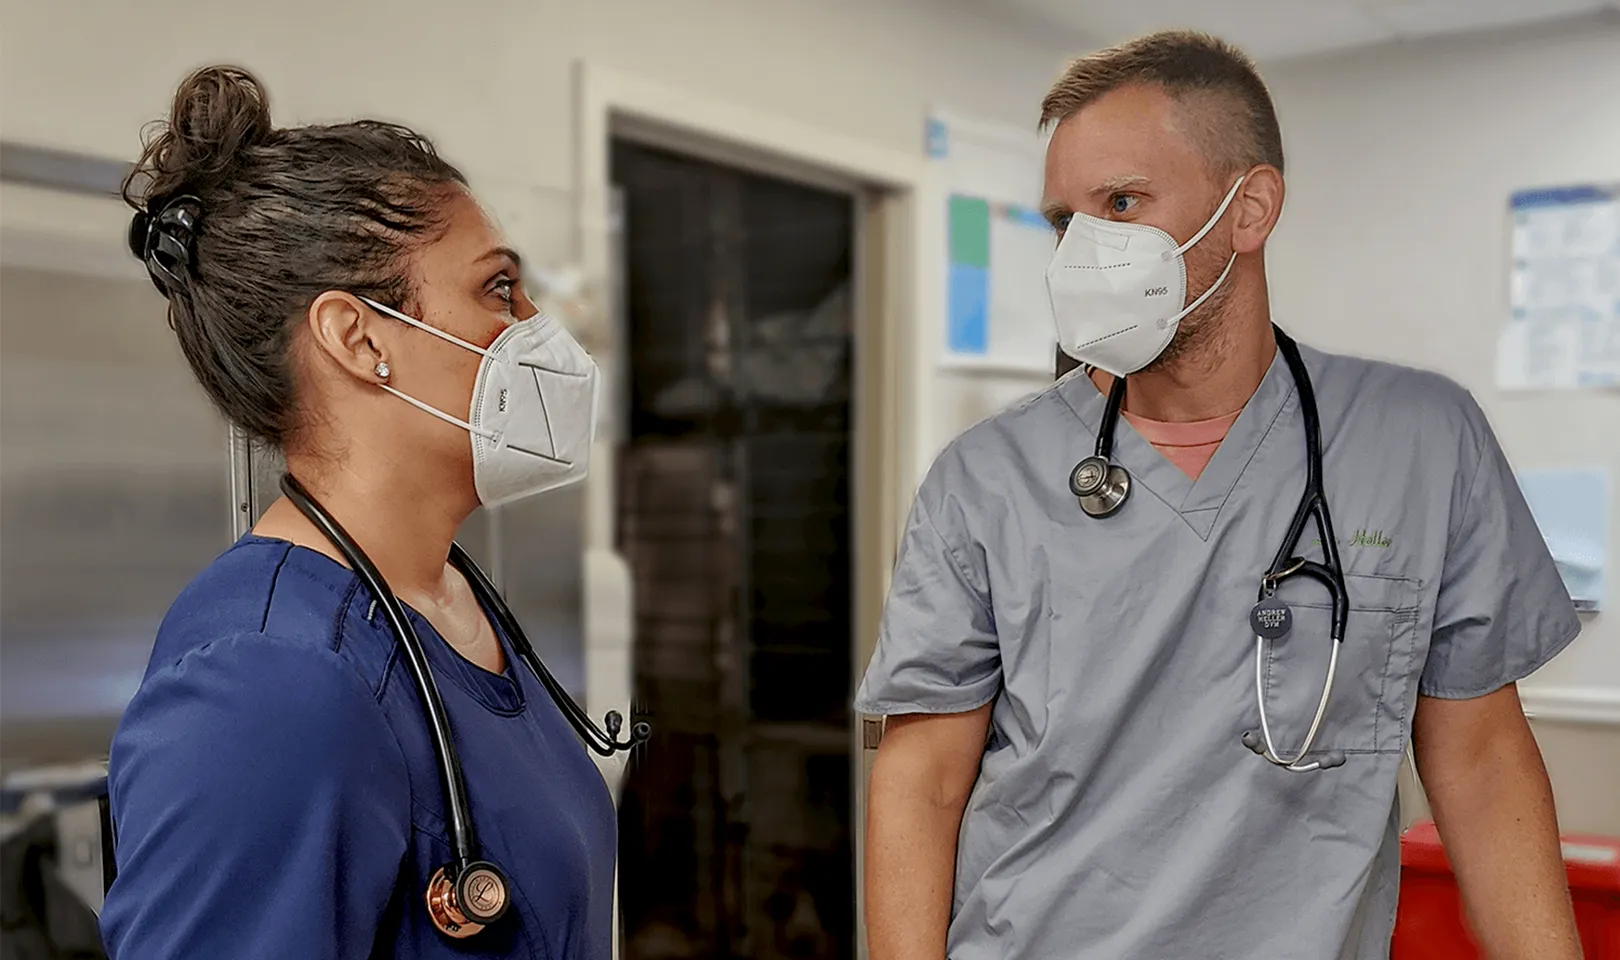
column 343, row 327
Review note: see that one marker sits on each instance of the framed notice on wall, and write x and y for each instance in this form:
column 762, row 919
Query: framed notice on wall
column 1563, row 328
column 998, row 316
column 1571, row 508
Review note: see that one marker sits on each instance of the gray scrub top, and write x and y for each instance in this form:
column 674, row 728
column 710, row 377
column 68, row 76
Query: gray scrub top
column 1117, row 814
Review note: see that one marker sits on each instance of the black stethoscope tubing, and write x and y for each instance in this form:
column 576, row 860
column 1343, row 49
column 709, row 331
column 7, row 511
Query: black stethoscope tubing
column 1312, row 504
column 1105, row 432
column 1102, row 487
column 458, row 821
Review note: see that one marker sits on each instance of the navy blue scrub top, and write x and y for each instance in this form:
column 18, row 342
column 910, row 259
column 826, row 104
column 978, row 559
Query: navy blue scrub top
column 275, row 793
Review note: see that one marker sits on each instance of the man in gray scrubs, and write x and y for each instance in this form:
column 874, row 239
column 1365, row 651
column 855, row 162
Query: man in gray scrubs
column 1070, row 767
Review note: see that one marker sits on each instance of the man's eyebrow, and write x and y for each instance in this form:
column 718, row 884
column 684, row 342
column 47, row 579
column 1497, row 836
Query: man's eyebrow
column 1121, row 182
column 1055, row 210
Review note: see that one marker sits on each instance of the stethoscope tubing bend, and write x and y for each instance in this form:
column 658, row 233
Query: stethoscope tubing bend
column 1101, row 487
column 469, row 893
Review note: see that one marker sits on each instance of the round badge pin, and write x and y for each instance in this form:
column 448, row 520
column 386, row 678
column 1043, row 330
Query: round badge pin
column 1271, row 619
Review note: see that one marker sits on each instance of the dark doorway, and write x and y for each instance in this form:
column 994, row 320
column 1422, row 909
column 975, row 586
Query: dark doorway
column 734, row 514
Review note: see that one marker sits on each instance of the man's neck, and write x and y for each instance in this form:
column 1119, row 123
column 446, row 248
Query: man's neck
column 1216, row 377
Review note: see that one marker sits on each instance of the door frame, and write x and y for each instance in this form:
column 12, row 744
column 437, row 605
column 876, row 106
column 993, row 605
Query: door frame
column 899, row 205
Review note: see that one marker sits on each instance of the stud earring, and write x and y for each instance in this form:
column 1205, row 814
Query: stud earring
column 382, row 369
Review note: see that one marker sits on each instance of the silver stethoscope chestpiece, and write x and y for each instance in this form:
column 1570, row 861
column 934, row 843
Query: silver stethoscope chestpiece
column 1100, row 486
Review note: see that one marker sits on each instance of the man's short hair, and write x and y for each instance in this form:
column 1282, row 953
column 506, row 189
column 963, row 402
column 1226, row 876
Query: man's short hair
column 1224, row 110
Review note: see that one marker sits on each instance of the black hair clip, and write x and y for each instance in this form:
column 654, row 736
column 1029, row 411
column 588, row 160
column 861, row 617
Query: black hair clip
column 166, row 241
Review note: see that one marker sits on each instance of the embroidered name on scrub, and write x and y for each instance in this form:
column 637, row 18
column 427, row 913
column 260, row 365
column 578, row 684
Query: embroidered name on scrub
column 1362, row 538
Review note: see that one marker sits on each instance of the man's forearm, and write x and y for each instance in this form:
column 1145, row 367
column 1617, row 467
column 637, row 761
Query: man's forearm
column 910, row 869
column 1496, row 818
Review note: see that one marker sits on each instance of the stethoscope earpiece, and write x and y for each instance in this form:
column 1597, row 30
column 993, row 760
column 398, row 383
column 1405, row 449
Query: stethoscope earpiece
column 639, row 733
column 474, row 899
column 1327, row 761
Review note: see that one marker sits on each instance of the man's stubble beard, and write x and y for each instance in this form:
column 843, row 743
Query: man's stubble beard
column 1198, row 335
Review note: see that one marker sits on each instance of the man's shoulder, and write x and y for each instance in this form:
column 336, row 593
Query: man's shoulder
column 1009, row 438
column 1389, row 389
column 1365, row 374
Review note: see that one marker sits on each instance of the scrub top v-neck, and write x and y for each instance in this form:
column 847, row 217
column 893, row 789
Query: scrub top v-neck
column 276, row 794
column 1117, row 812
column 1197, row 501
column 1187, row 445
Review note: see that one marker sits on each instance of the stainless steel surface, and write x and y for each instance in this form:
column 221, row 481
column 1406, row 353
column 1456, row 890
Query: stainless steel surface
column 61, row 169
column 113, row 487
column 871, row 732
column 537, row 545
column 78, row 838
column 241, row 471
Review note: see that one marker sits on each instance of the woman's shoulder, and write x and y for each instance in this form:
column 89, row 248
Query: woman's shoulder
column 252, row 693
column 263, row 593
column 253, row 759
column 254, row 716
column 259, row 635
column 268, row 650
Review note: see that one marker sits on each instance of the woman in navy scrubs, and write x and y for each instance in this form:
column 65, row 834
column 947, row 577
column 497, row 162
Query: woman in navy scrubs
column 273, row 784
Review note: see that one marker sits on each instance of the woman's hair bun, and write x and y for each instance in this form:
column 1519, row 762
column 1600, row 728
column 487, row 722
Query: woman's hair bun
column 219, row 113
column 243, row 225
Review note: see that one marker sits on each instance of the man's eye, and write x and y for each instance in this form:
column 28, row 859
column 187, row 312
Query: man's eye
column 503, row 288
column 1121, row 203
column 1061, row 222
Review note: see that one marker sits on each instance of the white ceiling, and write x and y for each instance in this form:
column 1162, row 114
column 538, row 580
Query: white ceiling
column 1275, row 29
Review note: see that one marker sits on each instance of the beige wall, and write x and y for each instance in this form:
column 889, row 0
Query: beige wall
column 1393, row 244
column 490, row 79
column 1584, row 761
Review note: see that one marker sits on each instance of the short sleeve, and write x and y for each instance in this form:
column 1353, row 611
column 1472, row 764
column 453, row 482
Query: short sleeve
column 261, row 808
column 1502, row 609
column 937, row 650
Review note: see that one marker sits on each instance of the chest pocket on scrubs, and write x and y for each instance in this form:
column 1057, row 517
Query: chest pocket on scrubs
column 1367, row 711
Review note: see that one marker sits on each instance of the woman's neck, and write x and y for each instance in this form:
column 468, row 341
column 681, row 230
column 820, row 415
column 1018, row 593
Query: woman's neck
column 404, row 522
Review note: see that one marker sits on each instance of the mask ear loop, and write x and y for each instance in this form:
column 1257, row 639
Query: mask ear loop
column 489, row 435
column 1220, row 211
column 441, row 334
column 1206, row 294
